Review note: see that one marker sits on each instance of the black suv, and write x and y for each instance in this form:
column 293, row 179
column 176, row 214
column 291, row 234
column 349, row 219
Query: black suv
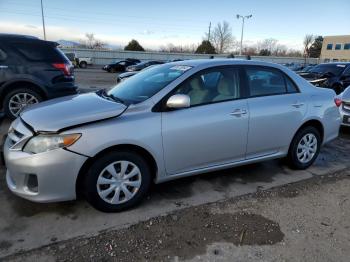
column 32, row 70
column 331, row 75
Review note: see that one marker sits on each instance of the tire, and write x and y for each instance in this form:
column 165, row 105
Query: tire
column 297, row 162
column 83, row 65
column 94, row 190
column 17, row 95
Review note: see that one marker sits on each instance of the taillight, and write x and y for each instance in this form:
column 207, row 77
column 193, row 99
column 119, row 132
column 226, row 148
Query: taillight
column 337, row 101
column 65, row 68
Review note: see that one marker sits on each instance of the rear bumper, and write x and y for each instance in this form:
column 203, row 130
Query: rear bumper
column 61, row 89
column 345, row 117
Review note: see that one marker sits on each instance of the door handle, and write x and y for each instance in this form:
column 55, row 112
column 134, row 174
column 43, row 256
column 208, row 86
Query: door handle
column 238, row 112
column 3, row 66
column 297, row 105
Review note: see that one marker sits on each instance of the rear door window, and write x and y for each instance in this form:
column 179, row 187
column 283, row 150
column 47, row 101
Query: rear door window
column 264, row 81
column 3, row 55
column 40, row 52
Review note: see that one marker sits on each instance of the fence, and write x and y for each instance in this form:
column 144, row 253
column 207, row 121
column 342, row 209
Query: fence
column 101, row 57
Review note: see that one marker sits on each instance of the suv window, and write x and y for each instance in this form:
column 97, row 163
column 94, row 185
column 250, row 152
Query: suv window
column 40, row 52
column 211, row 86
column 3, row 55
column 264, row 81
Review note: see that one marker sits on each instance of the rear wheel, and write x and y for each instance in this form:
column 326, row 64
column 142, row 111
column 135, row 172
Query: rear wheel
column 18, row 99
column 304, row 148
column 83, row 65
column 117, row 181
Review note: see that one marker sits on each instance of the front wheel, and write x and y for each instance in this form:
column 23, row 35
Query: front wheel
column 304, row 148
column 117, row 181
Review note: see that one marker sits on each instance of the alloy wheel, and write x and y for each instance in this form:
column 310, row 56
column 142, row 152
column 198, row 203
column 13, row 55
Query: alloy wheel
column 19, row 101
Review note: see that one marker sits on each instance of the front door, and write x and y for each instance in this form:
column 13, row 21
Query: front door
column 213, row 131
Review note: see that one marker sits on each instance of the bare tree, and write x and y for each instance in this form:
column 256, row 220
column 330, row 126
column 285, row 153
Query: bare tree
column 171, row 48
column 222, row 37
column 91, row 42
column 308, row 40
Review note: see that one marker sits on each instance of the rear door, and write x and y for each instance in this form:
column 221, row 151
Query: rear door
column 276, row 109
column 213, row 131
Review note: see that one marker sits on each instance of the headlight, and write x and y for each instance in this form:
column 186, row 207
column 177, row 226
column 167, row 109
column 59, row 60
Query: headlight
column 44, row 143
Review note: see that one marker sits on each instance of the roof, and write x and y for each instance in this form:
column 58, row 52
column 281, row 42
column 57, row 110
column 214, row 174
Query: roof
column 227, row 61
column 15, row 36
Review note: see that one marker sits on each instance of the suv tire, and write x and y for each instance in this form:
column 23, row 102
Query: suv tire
column 117, row 181
column 304, row 148
column 21, row 97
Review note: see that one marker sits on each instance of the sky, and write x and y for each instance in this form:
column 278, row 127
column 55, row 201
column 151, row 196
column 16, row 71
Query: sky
column 156, row 23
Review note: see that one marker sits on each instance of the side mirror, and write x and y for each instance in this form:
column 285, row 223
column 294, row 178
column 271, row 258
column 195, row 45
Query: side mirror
column 178, row 101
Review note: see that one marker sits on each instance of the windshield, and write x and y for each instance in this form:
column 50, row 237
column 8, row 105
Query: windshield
column 335, row 69
column 147, row 83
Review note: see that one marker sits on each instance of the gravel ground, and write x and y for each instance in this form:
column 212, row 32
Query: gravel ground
column 304, row 221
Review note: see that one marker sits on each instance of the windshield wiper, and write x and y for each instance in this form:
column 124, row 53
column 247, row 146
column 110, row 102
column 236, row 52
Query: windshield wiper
column 117, row 99
column 104, row 94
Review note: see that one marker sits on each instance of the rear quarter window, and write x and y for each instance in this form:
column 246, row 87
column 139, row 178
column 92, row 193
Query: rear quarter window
column 3, row 55
column 40, row 52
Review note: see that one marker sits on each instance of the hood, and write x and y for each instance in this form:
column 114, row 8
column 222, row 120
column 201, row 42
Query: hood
column 56, row 114
column 311, row 76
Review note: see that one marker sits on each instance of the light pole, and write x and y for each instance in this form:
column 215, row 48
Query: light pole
column 42, row 16
column 243, row 18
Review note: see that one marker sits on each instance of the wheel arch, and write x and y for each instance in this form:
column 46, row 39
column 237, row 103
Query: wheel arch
column 314, row 123
column 7, row 87
column 122, row 147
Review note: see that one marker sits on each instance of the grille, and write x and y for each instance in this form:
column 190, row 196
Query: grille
column 346, row 107
column 14, row 136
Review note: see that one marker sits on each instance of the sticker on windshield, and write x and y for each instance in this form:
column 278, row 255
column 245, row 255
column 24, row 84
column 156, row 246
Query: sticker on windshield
column 181, row 68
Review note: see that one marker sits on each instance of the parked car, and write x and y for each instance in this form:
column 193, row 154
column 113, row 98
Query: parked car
column 306, row 69
column 343, row 101
column 120, row 66
column 32, row 70
column 330, row 75
column 123, row 76
column 143, row 65
column 171, row 121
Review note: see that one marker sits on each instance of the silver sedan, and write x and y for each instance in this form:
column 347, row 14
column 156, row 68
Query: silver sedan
column 171, row 121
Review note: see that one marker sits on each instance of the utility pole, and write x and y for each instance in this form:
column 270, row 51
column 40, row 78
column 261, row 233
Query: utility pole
column 243, row 19
column 209, row 31
column 42, row 16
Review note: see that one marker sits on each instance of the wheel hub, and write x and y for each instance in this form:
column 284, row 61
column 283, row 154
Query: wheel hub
column 119, row 182
column 307, row 148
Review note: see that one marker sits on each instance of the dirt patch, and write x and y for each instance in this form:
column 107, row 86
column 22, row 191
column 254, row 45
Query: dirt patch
column 184, row 234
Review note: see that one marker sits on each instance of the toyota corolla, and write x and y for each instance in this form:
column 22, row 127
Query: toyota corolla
column 171, row 121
